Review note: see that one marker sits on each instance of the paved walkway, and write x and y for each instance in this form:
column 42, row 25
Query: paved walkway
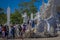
column 54, row 38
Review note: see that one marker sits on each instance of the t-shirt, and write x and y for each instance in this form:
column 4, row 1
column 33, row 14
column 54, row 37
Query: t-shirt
column 3, row 29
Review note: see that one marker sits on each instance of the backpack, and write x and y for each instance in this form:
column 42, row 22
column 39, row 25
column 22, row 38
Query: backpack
column 20, row 28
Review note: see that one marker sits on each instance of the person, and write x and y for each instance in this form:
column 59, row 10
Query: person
column 12, row 31
column 24, row 28
column 3, row 31
column 33, row 24
column 0, row 30
column 7, row 31
column 20, row 30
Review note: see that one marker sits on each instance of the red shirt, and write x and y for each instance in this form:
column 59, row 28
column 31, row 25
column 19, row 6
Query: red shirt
column 3, row 29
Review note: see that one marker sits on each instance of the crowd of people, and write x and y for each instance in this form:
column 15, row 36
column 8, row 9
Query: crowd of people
column 13, row 31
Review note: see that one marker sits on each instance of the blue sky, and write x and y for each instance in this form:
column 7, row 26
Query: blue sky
column 14, row 4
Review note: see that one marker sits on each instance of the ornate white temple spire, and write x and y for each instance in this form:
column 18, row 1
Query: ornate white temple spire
column 31, row 16
column 24, row 17
column 8, row 16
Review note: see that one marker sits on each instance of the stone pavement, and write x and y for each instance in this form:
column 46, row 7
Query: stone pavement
column 51, row 38
column 54, row 38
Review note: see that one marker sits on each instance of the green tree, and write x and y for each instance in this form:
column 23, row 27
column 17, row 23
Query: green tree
column 2, row 16
column 16, row 18
column 28, row 7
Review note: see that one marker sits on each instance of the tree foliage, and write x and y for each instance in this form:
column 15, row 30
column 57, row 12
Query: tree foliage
column 2, row 16
column 28, row 7
column 16, row 18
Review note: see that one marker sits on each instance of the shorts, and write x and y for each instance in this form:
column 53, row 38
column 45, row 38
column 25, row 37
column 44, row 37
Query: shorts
column 3, row 33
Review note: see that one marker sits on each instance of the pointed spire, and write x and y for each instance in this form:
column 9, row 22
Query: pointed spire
column 42, row 1
column 31, row 16
column 8, row 16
